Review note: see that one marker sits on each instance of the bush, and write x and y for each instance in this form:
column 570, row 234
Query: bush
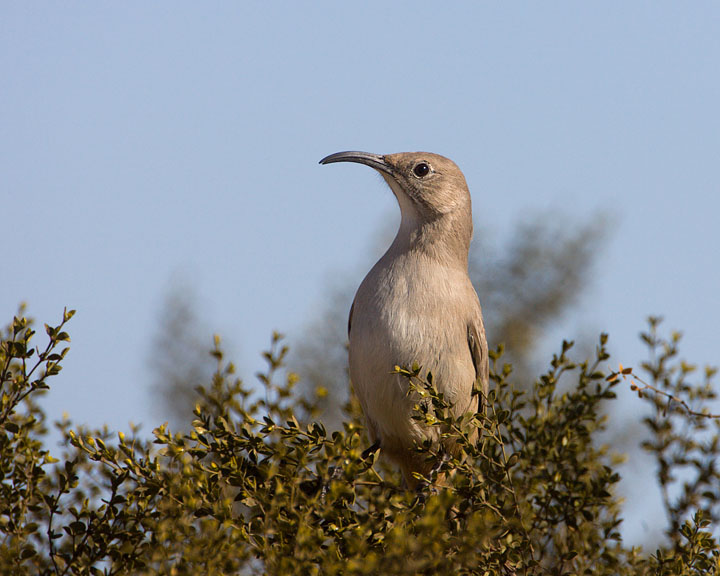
column 259, row 487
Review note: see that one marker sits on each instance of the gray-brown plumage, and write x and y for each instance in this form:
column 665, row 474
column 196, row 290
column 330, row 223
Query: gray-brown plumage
column 417, row 305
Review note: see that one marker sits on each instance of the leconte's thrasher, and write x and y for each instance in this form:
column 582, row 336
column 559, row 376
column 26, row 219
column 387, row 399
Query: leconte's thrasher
column 417, row 306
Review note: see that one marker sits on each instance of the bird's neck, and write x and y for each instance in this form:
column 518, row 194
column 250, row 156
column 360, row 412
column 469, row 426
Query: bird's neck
column 445, row 238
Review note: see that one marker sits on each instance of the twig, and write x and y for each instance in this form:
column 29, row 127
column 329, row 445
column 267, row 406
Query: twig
column 626, row 373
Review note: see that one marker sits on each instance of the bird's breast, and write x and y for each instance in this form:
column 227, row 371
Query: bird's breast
column 411, row 308
column 404, row 315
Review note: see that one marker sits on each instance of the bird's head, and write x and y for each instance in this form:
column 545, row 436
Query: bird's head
column 434, row 201
column 427, row 186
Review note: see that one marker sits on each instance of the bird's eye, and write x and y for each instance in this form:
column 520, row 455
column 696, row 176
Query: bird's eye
column 421, row 169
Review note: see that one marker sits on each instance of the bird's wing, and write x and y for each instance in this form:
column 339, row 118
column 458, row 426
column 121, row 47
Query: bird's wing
column 479, row 352
column 350, row 316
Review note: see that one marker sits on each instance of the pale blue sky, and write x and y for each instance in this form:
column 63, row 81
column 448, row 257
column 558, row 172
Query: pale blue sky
column 145, row 142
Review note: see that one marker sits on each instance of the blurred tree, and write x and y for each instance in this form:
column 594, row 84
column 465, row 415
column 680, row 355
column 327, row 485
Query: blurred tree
column 179, row 358
column 525, row 286
column 531, row 283
column 320, row 356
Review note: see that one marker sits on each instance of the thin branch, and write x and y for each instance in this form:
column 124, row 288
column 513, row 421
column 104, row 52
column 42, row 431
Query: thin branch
column 626, row 373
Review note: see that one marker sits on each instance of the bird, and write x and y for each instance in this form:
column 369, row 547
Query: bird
column 417, row 307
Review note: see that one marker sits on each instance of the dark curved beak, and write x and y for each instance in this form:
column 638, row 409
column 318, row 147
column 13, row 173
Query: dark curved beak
column 373, row 160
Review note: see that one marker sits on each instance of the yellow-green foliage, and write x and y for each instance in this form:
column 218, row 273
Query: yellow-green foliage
column 258, row 487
